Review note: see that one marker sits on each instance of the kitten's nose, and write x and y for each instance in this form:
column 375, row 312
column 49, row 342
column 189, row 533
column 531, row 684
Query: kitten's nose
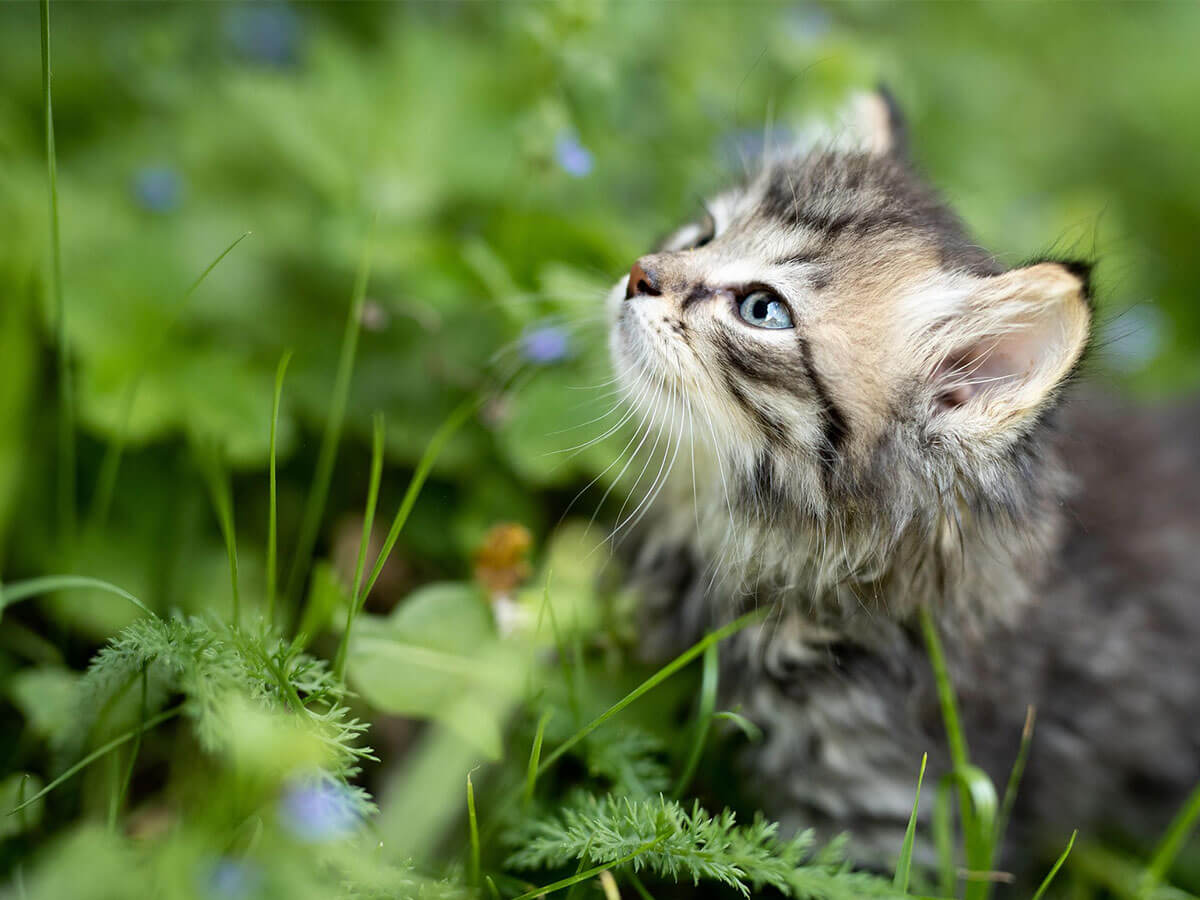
column 642, row 281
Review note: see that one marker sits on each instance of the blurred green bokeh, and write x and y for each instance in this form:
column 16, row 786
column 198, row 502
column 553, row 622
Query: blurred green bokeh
column 516, row 156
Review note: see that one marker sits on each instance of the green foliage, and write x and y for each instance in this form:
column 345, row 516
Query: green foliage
column 663, row 837
column 172, row 724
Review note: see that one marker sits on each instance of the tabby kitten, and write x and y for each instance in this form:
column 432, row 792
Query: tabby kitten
column 865, row 415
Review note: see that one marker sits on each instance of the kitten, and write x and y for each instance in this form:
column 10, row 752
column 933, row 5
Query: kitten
column 866, row 414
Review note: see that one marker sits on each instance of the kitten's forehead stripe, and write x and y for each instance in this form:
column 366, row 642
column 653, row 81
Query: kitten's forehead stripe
column 859, row 196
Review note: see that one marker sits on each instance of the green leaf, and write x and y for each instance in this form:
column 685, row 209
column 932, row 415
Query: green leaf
column 437, row 657
column 45, row 696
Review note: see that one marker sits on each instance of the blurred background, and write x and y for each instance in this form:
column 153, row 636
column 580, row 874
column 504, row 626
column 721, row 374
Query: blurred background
column 501, row 164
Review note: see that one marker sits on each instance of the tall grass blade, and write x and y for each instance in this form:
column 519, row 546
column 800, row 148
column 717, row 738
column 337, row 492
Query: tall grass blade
column 652, row 682
column 66, row 401
column 99, row 753
column 273, row 500
column 638, row 886
column 943, row 839
column 753, row 733
column 1172, row 842
column 222, row 499
column 357, row 599
column 587, row 848
column 976, row 793
column 48, row 584
column 904, row 864
column 436, row 444
column 119, row 802
column 535, row 756
column 708, row 703
column 314, row 508
column 473, row 825
column 110, row 466
column 1054, row 869
column 1014, row 777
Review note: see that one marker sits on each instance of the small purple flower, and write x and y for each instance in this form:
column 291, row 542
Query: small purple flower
column 229, row 879
column 158, row 188
column 546, row 345
column 575, row 159
column 267, row 33
column 318, row 810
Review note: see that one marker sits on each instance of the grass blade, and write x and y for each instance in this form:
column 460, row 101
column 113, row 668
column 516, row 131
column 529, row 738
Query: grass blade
column 955, row 738
column 1014, row 777
column 222, row 500
column 357, row 599
column 943, row 839
column 314, row 508
column 1172, row 842
column 119, row 803
column 650, row 683
column 66, row 404
column 587, row 848
column 273, row 501
column 638, row 886
column 98, row 753
column 473, row 825
column 904, row 865
column 976, row 793
column 33, row 587
column 753, row 733
column 436, row 444
column 708, row 703
column 535, row 756
column 1054, row 869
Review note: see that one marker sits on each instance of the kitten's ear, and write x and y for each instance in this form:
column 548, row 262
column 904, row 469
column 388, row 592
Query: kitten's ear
column 878, row 123
column 1012, row 341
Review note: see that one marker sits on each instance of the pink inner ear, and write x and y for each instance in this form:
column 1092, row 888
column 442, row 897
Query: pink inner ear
column 989, row 365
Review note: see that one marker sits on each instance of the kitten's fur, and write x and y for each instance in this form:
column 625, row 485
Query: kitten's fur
column 906, row 444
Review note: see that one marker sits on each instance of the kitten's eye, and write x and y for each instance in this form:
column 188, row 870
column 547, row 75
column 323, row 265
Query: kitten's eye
column 762, row 309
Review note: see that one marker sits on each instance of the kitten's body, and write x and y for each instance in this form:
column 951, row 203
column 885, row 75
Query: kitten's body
column 1105, row 649
column 854, row 468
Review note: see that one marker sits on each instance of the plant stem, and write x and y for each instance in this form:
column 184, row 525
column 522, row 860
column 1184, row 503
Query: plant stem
column 66, row 421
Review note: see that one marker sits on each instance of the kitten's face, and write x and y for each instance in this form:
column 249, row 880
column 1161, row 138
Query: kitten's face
column 829, row 339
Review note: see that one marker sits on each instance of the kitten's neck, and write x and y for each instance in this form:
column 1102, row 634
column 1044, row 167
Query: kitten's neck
column 973, row 565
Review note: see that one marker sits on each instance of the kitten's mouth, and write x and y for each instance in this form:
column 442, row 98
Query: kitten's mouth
column 643, row 343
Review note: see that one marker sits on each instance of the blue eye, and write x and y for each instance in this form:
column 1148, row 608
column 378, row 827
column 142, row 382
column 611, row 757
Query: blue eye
column 763, row 309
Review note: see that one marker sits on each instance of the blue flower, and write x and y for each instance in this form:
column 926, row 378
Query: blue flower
column 546, row 345
column 318, row 810
column 575, row 159
column 158, row 189
column 229, row 879
column 268, row 33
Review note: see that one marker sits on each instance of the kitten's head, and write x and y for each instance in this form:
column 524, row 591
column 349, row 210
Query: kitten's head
column 840, row 352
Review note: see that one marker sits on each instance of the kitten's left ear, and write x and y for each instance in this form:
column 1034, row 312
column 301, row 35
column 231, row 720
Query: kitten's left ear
column 879, row 124
column 1007, row 346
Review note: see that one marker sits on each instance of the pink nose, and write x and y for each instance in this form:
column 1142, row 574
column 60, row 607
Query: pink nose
column 641, row 282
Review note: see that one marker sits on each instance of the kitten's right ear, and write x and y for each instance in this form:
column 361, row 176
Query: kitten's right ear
column 1007, row 345
column 879, row 123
